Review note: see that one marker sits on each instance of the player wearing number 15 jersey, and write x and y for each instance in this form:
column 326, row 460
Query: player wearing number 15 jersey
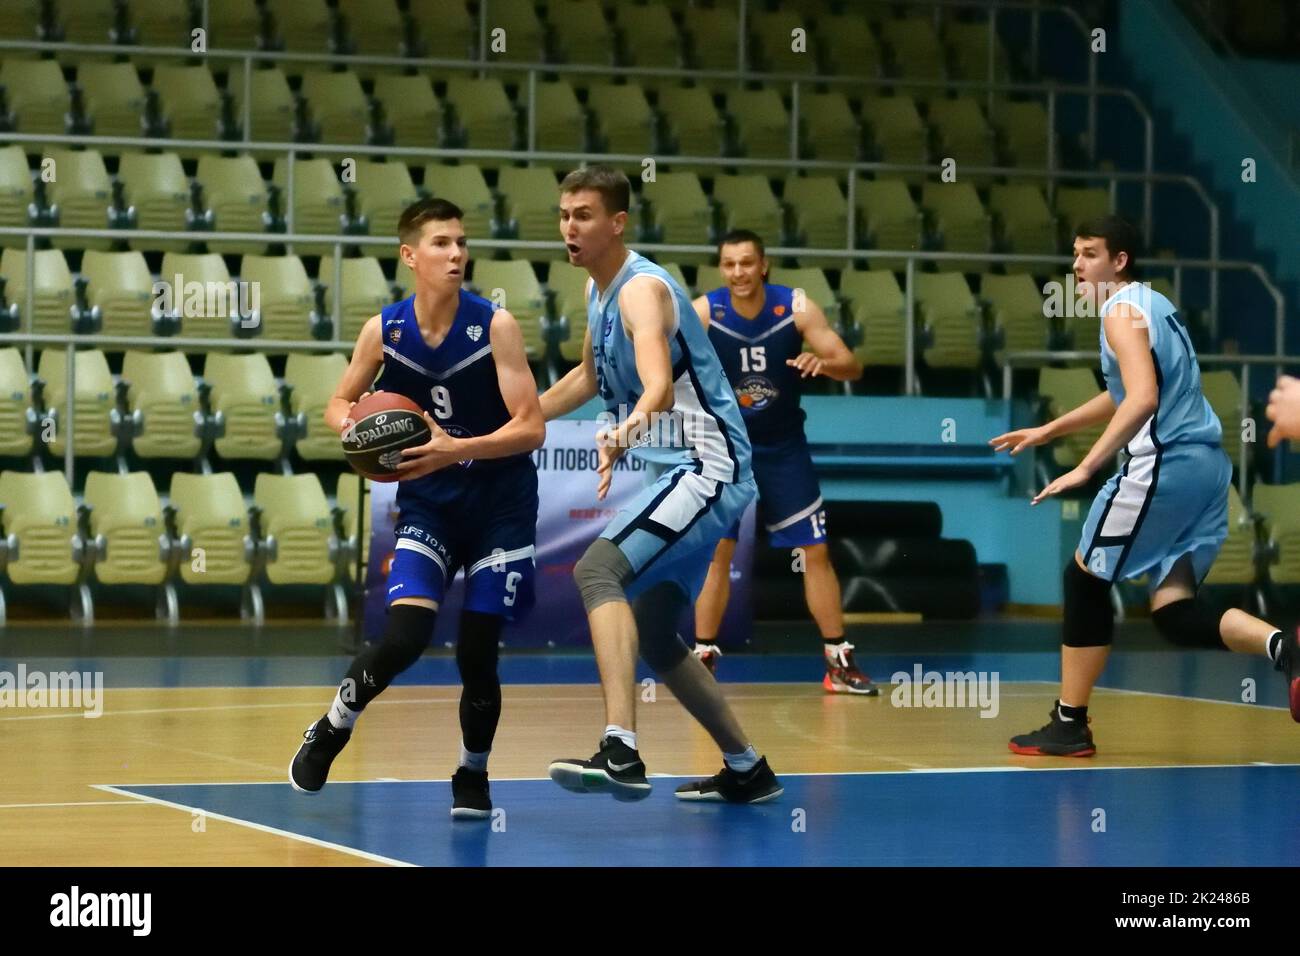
column 467, row 498
column 758, row 331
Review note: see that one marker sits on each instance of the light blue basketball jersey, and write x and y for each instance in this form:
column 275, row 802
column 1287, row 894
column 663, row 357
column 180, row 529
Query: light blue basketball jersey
column 705, row 426
column 1183, row 416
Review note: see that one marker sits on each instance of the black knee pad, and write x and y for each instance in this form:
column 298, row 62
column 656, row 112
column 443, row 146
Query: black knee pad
column 476, row 648
column 1089, row 615
column 406, row 634
column 657, row 613
column 1191, row 622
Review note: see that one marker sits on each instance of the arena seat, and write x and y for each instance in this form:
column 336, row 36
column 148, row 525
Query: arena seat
column 94, row 400
column 126, row 523
column 40, row 518
column 211, row 517
column 313, row 379
column 161, row 388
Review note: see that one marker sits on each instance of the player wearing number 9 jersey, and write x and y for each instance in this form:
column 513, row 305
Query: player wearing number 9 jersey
column 467, row 499
column 758, row 330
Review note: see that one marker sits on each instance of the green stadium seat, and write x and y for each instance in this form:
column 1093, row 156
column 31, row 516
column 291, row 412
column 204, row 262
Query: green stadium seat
column 773, row 34
column 569, row 283
column 897, row 132
column 445, row 28
column 1026, row 224
column 209, row 270
column 851, row 47
column 762, row 123
column 53, row 296
column 365, row 292
column 303, row 25
column 483, row 112
column 92, row 425
column 623, row 117
column 561, row 124
column 411, row 109
column 374, row 26
column 299, row 529
column 964, row 135
column 161, row 387
column 349, row 487
column 749, row 203
column 679, row 208
column 465, row 186
column 15, row 192
column 960, row 221
column 1279, row 506
column 878, row 307
column 234, row 190
column 16, row 441
column 1016, row 309
column 1023, row 129
column 514, row 285
column 120, row 286
column 166, row 23
column 1235, row 563
column 338, row 105
column 272, row 107
column 37, row 94
column 1066, row 389
column 234, row 24
column 313, row 379
column 830, row 128
column 82, row 191
column 582, row 34
column 532, row 199
column 317, row 200
column 190, row 100
column 650, row 38
column 815, row 286
column 211, row 516
column 967, row 44
column 890, row 219
column 953, row 319
column 525, row 35
column 156, row 185
column 820, row 210
column 1077, row 204
column 384, row 190
column 287, row 298
column 1223, row 392
column 126, row 521
column 40, row 515
column 917, row 53
column 245, row 396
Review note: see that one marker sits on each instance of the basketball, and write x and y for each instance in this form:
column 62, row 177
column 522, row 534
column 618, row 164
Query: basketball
column 384, row 424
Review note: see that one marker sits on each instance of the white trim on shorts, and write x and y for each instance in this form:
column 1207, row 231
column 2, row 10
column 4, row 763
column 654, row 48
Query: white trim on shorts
column 504, row 557
column 406, row 544
column 795, row 518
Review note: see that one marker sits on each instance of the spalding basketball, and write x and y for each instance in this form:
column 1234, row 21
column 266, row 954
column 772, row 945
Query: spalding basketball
column 385, row 423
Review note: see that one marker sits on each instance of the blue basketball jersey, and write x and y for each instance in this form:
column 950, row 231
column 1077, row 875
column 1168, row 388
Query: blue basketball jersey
column 705, row 426
column 1183, row 416
column 456, row 383
column 753, row 353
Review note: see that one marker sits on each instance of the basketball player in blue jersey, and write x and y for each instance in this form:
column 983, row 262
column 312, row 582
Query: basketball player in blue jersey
column 758, row 331
column 462, row 360
column 648, row 357
column 1165, row 514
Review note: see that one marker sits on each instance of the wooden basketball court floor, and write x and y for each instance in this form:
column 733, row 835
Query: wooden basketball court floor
column 187, row 766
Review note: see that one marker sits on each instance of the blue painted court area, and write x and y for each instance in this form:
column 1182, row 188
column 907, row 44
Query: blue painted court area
column 1185, row 816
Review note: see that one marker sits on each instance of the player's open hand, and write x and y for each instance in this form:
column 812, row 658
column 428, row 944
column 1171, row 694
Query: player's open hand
column 1071, row 479
column 347, row 421
column 1020, row 438
column 608, row 450
column 808, row 364
column 437, row 453
column 1284, row 410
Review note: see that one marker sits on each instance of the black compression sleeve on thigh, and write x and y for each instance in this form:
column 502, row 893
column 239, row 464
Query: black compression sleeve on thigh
column 480, row 696
column 1089, row 615
column 1191, row 622
column 406, row 634
column 657, row 612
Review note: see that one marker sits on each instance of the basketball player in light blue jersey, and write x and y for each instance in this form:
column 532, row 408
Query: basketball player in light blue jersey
column 647, row 356
column 1165, row 514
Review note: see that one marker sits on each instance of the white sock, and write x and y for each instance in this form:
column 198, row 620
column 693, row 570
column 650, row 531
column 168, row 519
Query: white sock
column 1060, row 712
column 341, row 716
column 1270, row 644
column 627, row 736
column 473, row 761
column 742, row 762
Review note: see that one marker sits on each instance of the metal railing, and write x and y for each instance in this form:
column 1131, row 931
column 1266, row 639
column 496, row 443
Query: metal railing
column 293, row 150
column 338, row 242
column 1036, row 358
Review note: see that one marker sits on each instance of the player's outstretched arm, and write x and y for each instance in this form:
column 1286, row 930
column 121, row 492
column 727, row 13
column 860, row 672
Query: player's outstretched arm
column 576, row 387
column 367, row 360
column 1284, row 410
column 829, row 355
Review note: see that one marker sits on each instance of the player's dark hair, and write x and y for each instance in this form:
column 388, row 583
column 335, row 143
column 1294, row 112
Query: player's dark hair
column 742, row 235
column 613, row 186
column 430, row 209
column 1120, row 236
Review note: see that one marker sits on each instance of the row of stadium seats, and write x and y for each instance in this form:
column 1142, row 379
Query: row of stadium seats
column 158, row 409
column 204, row 533
column 664, row 34
column 153, row 192
column 586, row 114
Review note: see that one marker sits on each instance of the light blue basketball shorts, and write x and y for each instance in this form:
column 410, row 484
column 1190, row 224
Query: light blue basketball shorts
column 1157, row 509
column 670, row 530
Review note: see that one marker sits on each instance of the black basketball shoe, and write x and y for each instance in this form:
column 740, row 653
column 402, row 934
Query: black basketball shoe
column 757, row 785
column 616, row 767
column 321, row 743
column 1059, row 738
column 470, row 799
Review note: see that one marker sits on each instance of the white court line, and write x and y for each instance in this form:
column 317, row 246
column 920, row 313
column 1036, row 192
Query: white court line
column 276, row 831
column 696, row 776
column 78, row 803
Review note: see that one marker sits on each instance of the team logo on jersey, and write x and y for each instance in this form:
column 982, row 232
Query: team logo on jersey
column 754, row 393
column 459, row 431
column 779, row 310
column 475, row 332
column 719, row 313
column 395, row 334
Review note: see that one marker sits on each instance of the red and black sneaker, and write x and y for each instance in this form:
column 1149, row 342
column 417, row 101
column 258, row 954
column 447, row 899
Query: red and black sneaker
column 843, row 676
column 708, row 653
column 1060, row 738
column 1288, row 662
